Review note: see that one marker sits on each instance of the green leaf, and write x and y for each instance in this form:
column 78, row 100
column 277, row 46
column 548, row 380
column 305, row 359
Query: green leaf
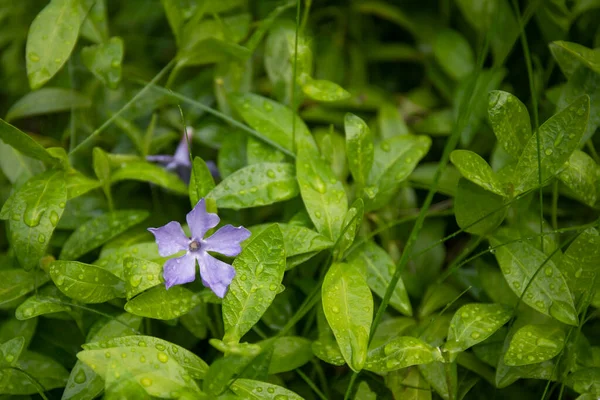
column 436, row 123
column 323, row 195
column 394, row 159
column 453, row 53
column 364, row 392
column 140, row 275
column 585, row 380
column 99, row 230
column 47, row 101
column 534, row 344
column 83, row 382
column 137, row 369
column 259, row 272
column 47, row 372
column 160, row 303
column 201, row 181
column 16, row 166
column 350, row 227
column 12, row 327
column 273, row 121
column 473, row 323
column 48, row 300
column 34, row 211
column 570, row 56
column 348, row 307
column 256, row 185
column 408, row 384
column 390, row 121
column 146, row 172
column 112, row 259
column 232, row 154
column 379, row 267
column 16, row 283
column 579, row 177
column 547, row 291
column 193, row 364
column 85, row 283
column 400, row 352
column 300, row 243
column 95, row 25
column 24, row 144
column 559, row 137
column 322, row 90
column 251, row 389
column 510, row 121
column 477, row 170
column 289, row 353
column 477, row 210
column 11, row 350
column 79, row 184
column 359, row 147
column 580, row 267
column 437, row 296
column 104, row 61
column 52, row 38
column 258, row 151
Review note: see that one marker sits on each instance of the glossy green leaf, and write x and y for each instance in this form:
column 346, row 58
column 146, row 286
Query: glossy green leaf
column 51, row 39
column 547, row 291
column 580, row 267
column 152, row 173
column 16, row 283
column 585, row 380
column 379, row 268
column 437, row 296
column 322, row 90
column 79, row 184
column 300, row 243
column 364, row 392
column 34, row 211
column 391, row 122
column 104, row 61
column 571, row 56
column 24, row 144
column 258, row 151
column 16, row 166
column 348, row 307
column 477, row 210
column 400, row 352
column 251, row 389
column 359, row 147
column 289, row 353
column 579, row 177
column 140, row 275
column 510, row 121
column 477, row 170
column 138, row 366
column 99, row 230
column 11, row 350
column 453, row 53
column 85, row 283
column 47, row 300
column 273, row 121
column 11, row 328
column 533, row 344
column 408, row 384
column 193, row 364
column 583, row 81
column 442, row 377
column 394, row 160
column 328, row 350
column 350, row 227
column 256, row 185
column 323, row 195
column 112, row 259
column 95, row 25
column 160, row 303
column 232, row 154
column 259, row 271
column 559, row 137
column 45, row 370
column 201, row 181
column 83, row 382
column 47, row 101
column 473, row 323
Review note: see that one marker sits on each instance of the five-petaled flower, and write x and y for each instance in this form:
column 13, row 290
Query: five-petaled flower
column 180, row 161
column 215, row 274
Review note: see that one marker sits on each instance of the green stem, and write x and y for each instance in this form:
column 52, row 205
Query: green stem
column 312, row 385
column 555, row 205
column 294, row 73
column 351, row 386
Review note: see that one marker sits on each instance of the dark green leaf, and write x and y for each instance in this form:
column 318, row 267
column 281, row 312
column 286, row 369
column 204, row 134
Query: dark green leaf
column 112, row 259
column 47, row 101
column 259, row 271
column 579, row 177
column 533, row 344
column 453, row 53
column 16, row 283
column 580, row 267
column 140, row 275
column 571, row 56
column 85, row 283
column 401, row 352
column 160, row 303
column 146, row 172
column 47, row 300
column 201, row 181
column 46, row 371
column 510, row 121
column 586, row 380
column 350, row 227
column 11, row 350
column 104, row 61
column 24, row 144
column 13, row 327
column 477, row 210
column 99, row 230
column 250, row 389
column 477, row 170
column 359, row 147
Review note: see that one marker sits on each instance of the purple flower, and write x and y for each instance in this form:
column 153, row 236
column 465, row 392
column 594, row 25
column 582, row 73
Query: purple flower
column 215, row 274
column 180, row 161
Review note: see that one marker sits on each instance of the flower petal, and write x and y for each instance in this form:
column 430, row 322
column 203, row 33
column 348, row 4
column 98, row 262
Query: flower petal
column 170, row 239
column 160, row 158
column 215, row 274
column 201, row 221
column 178, row 271
column 227, row 240
column 182, row 153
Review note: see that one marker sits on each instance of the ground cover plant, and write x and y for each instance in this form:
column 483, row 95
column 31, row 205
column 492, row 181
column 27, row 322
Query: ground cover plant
column 299, row 200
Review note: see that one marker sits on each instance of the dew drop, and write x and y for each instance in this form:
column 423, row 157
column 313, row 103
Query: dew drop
column 516, row 284
column 267, row 106
column 271, row 173
column 281, row 397
column 335, row 309
column 135, row 281
column 41, row 238
column 107, row 354
column 62, row 205
column 385, row 146
column 475, row 335
column 273, row 287
column 142, row 359
column 559, row 139
column 60, row 280
column 578, row 273
column 9, row 358
column 259, row 389
column 80, row 377
column 548, row 271
column 243, row 277
column 33, row 57
column 146, row 382
column 162, row 357
column 540, row 304
column 543, row 342
column 141, row 343
column 259, row 269
column 318, row 214
column 32, row 217
column 246, row 105
column 115, row 64
column 16, row 217
column 53, row 218
column 548, row 152
column 80, row 277
column 530, row 358
column 318, row 185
